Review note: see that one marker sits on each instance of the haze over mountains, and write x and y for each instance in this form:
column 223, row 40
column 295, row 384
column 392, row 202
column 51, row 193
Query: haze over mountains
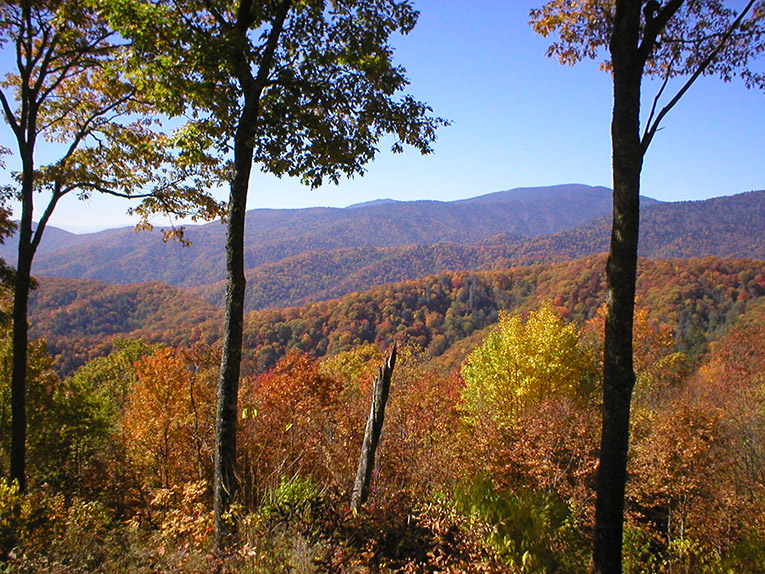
column 122, row 256
column 303, row 255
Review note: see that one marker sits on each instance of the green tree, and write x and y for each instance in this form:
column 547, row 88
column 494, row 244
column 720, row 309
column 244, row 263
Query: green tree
column 302, row 88
column 677, row 41
column 68, row 89
column 74, row 424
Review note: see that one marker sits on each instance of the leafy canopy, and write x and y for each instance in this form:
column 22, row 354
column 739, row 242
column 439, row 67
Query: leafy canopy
column 69, row 88
column 677, row 39
column 584, row 30
column 331, row 93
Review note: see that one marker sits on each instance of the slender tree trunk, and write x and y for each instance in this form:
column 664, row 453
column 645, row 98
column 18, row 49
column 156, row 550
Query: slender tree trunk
column 228, row 382
column 373, row 430
column 21, row 288
column 618, row 370
column 225, row 482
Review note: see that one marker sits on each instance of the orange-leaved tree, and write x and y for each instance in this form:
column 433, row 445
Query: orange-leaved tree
column 289, row 421
column 169, row 417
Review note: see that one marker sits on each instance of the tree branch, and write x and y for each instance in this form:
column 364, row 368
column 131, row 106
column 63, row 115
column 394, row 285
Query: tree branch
column 74, row 62
column 55, row 196
column 261, row 80
column 18, row 132
column 655, row 24
column 85, row 129
column 657, row 97
column 216, row 14
column 651, row 129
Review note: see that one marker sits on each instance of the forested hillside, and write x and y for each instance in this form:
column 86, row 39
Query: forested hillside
column 81, row 318
column 495, row 401
column 724, row 227
column 336, row 252
column 131, row 433
column 698, row 297
column 552, row 380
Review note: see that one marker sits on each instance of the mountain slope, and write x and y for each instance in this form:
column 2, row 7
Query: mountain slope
column 728, row 226
column 698, row 297
column 315, row 254
column 723, row 227
column 79, row 318
column 121, row 256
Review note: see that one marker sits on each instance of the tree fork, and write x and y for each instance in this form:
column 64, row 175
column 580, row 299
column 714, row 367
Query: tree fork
column 225, row 482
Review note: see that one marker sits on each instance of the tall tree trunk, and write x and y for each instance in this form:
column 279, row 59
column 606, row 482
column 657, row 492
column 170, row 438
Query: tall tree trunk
column 618, row 370
column 225, row 482
column 228, row 382
column 21, row 288
column 380, row 392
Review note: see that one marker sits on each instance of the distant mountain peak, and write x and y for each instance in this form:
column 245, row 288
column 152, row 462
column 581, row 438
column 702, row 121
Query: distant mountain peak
column 505, row 225
column 372, row 203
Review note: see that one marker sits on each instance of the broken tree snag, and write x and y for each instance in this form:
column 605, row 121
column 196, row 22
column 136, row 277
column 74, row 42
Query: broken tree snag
column 380, row 393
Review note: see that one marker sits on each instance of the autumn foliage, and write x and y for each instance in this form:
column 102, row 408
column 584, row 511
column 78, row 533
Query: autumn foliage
column 488, row 467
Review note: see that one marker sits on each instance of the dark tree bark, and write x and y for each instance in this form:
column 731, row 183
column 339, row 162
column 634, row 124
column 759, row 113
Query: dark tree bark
column 618, row 370
column 228, row 383
column 21, row 288
column 373, row 431
column 629, row 53
column 20, row 336
column 225, row 483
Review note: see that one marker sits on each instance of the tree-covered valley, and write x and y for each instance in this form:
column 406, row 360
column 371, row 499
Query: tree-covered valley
column 124, row 442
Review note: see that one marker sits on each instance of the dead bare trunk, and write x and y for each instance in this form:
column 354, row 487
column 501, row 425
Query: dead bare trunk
column 373, row 431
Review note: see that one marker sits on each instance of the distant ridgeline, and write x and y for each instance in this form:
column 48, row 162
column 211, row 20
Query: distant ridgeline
column 303, row 255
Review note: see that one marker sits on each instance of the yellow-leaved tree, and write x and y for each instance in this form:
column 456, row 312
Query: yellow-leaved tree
column 522, row 363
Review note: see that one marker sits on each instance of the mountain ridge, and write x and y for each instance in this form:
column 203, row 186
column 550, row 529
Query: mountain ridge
column 121, row 256
column 338, row 257
column 723, row 227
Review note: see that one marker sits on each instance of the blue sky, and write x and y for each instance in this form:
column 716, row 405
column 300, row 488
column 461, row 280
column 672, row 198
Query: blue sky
column 519, row 120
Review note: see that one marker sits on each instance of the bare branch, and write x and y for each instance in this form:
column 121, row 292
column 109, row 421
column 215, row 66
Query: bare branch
column 38, row 233
column 113, row 192
column 657, row 97
column 652, row 129
column 10, row 118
